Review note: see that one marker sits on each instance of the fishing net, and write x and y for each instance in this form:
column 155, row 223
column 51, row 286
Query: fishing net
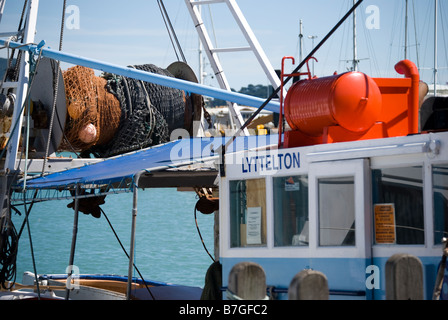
column 112, row 114
column 93, row 113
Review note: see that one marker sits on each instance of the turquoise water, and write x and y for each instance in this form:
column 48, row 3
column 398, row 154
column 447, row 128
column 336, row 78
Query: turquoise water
column 168, row 247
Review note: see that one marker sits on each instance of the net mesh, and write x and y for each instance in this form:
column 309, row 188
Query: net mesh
column 93, row 113
column 111, row 115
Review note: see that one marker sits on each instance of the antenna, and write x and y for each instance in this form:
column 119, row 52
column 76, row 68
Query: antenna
column 435, row 46
column 300, row 40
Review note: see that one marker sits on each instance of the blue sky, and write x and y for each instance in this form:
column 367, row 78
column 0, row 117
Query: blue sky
column 134, row 33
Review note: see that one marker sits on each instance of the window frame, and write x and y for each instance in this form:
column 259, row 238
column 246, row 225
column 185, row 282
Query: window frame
column 342, row 179
column 264, row 216
column 411, row 185
column 359, row 170
column 283, row 176
column 441, row 164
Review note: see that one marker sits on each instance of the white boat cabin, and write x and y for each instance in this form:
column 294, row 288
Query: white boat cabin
column 342, row 209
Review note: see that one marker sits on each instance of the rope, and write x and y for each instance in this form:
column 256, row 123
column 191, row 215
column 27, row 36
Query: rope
column 19, row 55
column 301, row 64
column 9, row 237
column 151, row 117
column 199, row 231
column 171, row 32
column 56, row 87
column 8, row 252
column 124, row 250
column 27, row 212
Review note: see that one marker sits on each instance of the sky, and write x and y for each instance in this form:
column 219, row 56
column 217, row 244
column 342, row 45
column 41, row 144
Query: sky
column 133, row 32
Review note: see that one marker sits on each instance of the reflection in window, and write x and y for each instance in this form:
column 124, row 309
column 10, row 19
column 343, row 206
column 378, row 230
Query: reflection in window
column 440, row 194
column 291, row 211
column 401, row 189
column 247, row 213
column 337, row 211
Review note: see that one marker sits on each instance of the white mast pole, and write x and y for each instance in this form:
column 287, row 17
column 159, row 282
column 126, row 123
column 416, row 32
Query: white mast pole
column 22, row 88
column 2, row 7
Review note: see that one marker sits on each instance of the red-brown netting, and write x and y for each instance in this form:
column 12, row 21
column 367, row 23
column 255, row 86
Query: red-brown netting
column 93, row 114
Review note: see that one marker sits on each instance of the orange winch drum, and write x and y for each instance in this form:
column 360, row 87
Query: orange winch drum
column 350, row 100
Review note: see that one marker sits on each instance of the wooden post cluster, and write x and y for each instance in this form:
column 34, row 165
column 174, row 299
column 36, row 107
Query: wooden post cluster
column 404, row 281
column 247, row 281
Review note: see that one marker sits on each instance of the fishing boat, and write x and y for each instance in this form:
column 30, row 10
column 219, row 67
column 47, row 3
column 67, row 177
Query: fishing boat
column 360, row 174
column 340, row 198
column 318, row 200
column 100, row 118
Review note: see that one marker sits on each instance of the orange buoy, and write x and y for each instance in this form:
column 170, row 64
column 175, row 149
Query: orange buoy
column 350, row 100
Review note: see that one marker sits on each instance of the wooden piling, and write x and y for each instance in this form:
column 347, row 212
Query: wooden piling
column 247, row 281
column 308, row 285
column 404, row 277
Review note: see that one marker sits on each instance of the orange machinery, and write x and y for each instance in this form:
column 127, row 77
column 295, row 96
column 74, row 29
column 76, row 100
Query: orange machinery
column 350, row 106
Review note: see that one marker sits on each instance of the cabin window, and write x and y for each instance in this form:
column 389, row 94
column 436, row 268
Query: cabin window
column 397, row 195
column 440, row 194
column 337, row 211
column 291, row 211
column 248, row 213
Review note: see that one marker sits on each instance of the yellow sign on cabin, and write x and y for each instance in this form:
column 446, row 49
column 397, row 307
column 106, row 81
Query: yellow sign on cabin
column 385, row 223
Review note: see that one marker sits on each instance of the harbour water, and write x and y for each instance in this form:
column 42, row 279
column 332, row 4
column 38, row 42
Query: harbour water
column 168, row 247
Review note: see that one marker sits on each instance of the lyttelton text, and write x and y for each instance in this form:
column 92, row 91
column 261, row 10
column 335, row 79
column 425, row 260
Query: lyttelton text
column 270, row 162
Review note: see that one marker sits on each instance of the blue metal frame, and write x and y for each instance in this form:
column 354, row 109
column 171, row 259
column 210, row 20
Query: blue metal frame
column 143, row 75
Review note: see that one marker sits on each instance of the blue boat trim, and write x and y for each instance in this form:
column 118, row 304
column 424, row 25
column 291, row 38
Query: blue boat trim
column 106, row 277
column 332, row 292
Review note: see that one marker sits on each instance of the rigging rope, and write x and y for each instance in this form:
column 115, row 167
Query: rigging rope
column 8, row 252
column 9, row 237
column 124, row 250
column 171, row 31
column 206, row 206
column 56, row 87
column 14, row 73
column 301, row 64
column 27, row 220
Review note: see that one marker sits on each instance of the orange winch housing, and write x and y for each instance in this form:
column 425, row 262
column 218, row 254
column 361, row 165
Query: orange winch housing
column 351, row 106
